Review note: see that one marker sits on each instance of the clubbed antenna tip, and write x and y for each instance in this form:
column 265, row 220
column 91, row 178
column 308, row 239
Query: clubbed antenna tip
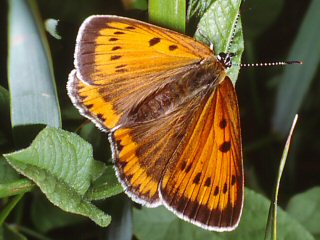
column 294, row 62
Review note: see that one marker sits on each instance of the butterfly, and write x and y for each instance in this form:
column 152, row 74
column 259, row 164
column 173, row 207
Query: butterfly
column 171, row 114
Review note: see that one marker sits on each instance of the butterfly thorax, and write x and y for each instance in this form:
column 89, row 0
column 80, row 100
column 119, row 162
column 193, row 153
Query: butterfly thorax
column 200, row 78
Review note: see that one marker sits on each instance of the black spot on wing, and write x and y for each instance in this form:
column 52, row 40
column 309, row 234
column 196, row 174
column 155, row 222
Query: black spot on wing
column 183, row 165
column 225, row 146
column 173, row 47
column 233, row 179
column 189, row 168
column 121, row 66
column 196, row 179
column 216, row 191
column 223, row 123
column 207, row 183
column 100, row 117
column 225, row 188
column 154, row 41
column 116, row 48
column 130, row 28
column 115, row 57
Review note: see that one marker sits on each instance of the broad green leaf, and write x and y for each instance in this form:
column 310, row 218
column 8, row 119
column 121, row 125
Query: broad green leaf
column 159, row 223
column 271, row 229
column 31, row 81
column 305, row 207
column 296, row 79
column 61, row 164
column 217, row 25
column 168, row 13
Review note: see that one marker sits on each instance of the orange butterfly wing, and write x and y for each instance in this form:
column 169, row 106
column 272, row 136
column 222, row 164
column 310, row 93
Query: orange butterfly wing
column 120, row 61
column 205, row 182
column 161, row 95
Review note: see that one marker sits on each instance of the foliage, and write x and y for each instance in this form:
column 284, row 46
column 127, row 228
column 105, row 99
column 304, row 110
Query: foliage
column 55, row 184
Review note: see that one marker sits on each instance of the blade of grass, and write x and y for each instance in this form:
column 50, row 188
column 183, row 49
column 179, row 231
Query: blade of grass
column 271, row 228
column 6, row 211
column 121, row 226
column 168, row 13
column 32, row 89
column 32, row 233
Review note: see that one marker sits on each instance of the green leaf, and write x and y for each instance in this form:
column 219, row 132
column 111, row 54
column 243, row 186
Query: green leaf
column 296, row 80
column 271, row 229
column 10, row 182
column 217, row 25
column 32, row 88
column 197, row 9
column 16, row 187
column 105, row 186
column 121, row 225
column 168, row 13
column 61, row 164
column 305, row 207
column 7, row 173
column 159, row 223
column 46, row 216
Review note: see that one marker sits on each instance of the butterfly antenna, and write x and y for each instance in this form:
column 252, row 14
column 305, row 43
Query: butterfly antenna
column 233, row 32
column 267, row 64
column 206, row 38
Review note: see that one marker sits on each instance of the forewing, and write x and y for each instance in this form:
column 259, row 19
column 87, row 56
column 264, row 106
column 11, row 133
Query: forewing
column 121, row 61
column 203, row 182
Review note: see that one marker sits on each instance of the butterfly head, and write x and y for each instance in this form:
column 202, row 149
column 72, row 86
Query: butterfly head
column 225, row 59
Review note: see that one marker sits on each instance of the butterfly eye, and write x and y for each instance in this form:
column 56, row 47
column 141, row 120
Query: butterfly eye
column 225, row 59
